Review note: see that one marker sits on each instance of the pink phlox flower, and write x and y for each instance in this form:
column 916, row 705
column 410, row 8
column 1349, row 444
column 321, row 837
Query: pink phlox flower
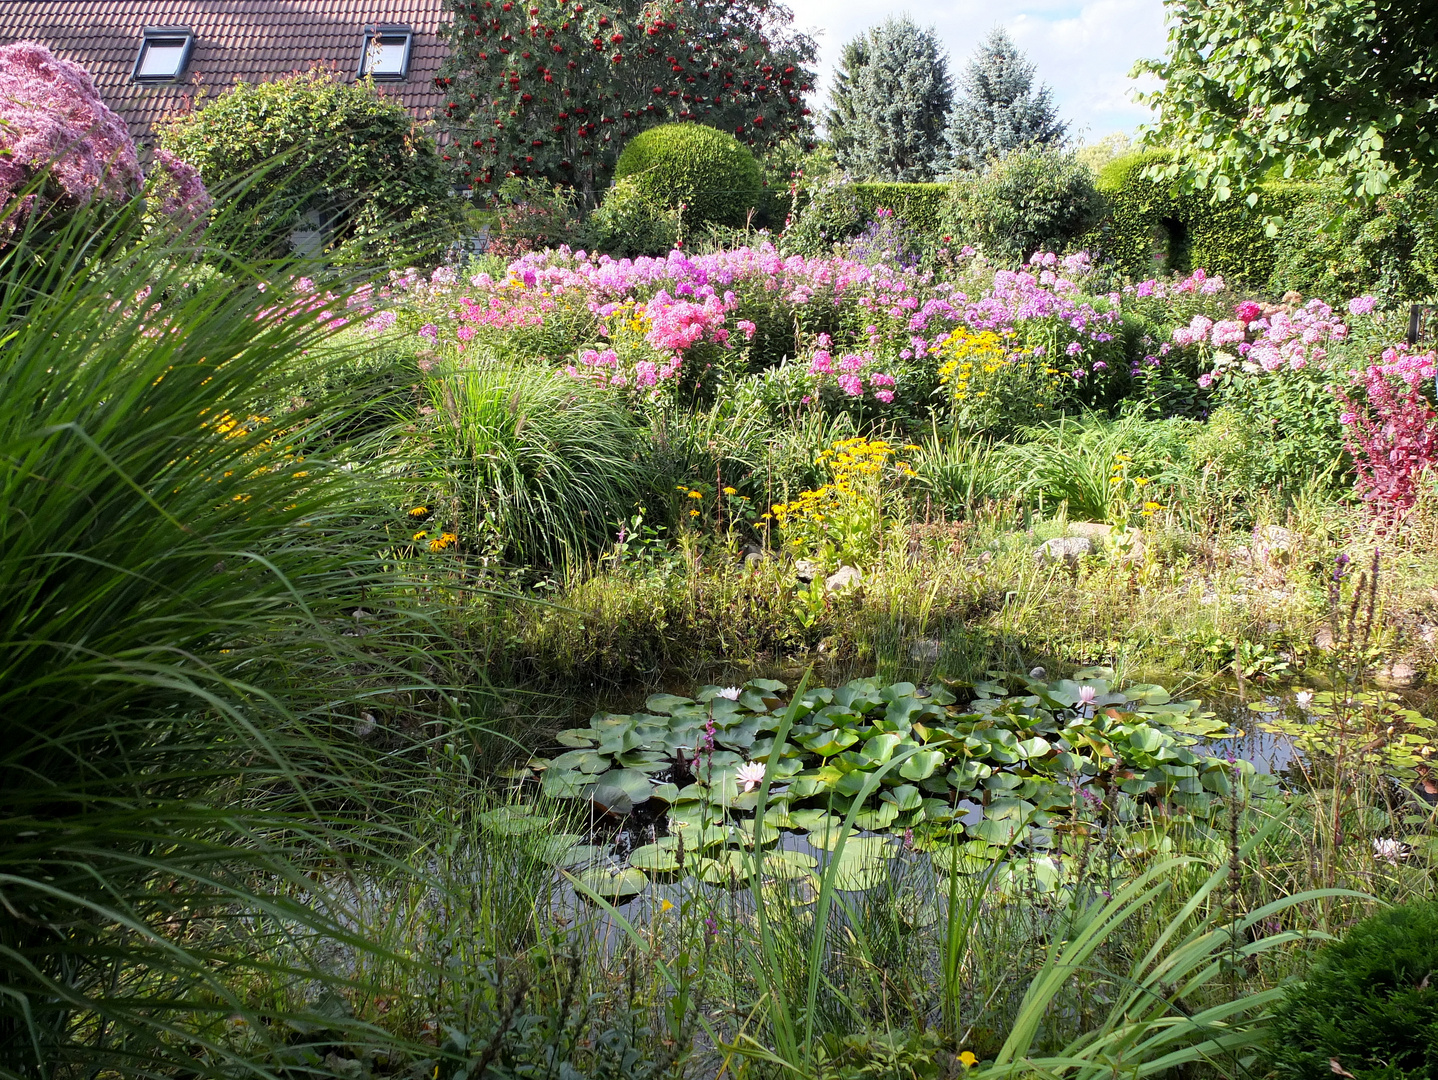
column 851, row 385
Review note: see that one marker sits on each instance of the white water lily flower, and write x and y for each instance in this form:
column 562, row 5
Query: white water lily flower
column 1388, row 849
column 1304, row 698
column 751, row 774
column 730, row 692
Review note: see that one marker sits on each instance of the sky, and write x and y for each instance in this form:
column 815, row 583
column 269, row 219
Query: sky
column 1083, row 49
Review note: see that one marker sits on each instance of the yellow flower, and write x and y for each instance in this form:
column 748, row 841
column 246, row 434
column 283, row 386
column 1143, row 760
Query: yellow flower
column 681, row 487
column 1140, row 480
column 693, row 513
column 442, row 541
column 666, row 905
column 420, row 535
column 968, row 1059
column 419, row 511
column 696, row 495
column 731, row 491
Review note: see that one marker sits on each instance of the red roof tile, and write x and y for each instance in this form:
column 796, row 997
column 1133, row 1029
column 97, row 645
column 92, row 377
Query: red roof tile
column 235, row 41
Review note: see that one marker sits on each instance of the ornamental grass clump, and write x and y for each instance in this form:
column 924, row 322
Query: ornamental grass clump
column 1368, row 1009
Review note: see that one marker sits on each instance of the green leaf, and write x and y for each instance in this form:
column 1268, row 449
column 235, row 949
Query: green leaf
column 664, row 704
column 614, row 883
column 921, row 765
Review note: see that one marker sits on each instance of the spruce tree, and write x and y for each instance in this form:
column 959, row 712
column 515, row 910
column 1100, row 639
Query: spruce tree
column 999, row 108
column 889, row 103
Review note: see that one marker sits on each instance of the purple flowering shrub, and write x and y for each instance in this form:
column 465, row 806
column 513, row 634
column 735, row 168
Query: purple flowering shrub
column 52, row 118
column 55, row 131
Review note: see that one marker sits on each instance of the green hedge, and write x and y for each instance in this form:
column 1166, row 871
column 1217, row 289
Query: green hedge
column 920, row 205
column 708, row 170
column 1145, row 218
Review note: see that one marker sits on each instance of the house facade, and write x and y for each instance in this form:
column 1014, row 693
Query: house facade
column 154, row 58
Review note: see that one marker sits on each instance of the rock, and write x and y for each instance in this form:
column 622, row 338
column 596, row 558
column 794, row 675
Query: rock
column 807, row 569
column 846, row 577
column 1399, row 674
column 1093, row 530
column 753, row 560
column 1273, row 545
column 924, row 651
column 1323, row 639
column 1037, row 673
column 1428, row 634
column 365, row 725
column 1066, row 549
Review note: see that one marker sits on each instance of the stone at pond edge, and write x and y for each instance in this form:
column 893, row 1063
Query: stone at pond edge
column 1066, row 549
column 1398, row 675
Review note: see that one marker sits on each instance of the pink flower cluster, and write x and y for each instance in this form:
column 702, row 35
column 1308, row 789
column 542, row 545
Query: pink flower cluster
column 1199, row 282
column 604, row 368
column 51, row 116
column 849, row 372
column 178, row 190
column 677, row 325
column 1267, row 337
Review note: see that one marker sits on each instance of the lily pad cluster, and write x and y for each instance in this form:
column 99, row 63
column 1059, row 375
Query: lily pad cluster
column 1006, row 760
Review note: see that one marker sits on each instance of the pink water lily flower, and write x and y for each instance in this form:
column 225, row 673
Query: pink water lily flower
column 750, row 774
column 1087, row 695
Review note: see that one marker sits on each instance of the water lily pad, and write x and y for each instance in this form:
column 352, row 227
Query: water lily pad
column 813, row 819
column 563, row 784
column 767, row 835
column 621, row 790
column 577, row 737
column 828, row 837
column 906, row 797
column 881, row 816
column 555, row 847
column 614, row 883
column 921, row 765
column 512, row 820
column 664, row 704
column 662, row 856
column 862, row 865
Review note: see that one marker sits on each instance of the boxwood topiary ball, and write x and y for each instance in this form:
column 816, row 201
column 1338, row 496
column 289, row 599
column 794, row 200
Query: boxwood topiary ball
column 1370, row 1003
column 710, row 171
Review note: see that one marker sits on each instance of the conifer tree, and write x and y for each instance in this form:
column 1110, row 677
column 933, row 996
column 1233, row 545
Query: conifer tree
column 999, row 108
column 889, row 103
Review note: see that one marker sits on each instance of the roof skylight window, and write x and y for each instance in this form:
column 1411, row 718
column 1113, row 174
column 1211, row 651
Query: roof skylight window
column 386, row 53
column 164, row 52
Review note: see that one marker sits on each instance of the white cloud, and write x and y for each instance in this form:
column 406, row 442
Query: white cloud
column 1083, row 50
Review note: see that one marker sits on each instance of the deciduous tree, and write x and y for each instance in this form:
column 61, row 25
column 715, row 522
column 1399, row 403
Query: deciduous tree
column 554, row 88
column 1342, row 87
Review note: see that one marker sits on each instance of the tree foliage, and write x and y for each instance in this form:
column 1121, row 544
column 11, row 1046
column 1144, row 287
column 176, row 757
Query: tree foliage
column 311, row 142
column 1348, row 86
column 890, row 99
column 554, row 88
column 1029, row 200
column 999, row 108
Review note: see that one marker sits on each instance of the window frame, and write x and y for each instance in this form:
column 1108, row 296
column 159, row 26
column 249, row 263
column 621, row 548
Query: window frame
column 379, row 33
column 152, row 34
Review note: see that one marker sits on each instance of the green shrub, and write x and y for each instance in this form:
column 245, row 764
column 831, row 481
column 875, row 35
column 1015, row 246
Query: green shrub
column 1152, row 227
column 1367, row 1005
column 629, row 223
column 919, row 206
column 531, row 215
column 1029, row 200
column 714, row 175
column 309, row 143
column 1332, row 249
column 531, row 465
column 830, row 214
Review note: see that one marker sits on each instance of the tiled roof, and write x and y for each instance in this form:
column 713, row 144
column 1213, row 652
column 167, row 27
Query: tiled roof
column 235, row 41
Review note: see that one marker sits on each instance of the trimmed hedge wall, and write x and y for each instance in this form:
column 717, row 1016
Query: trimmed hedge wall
column 709, row 170
column 921, row 205
column 1146, row 219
